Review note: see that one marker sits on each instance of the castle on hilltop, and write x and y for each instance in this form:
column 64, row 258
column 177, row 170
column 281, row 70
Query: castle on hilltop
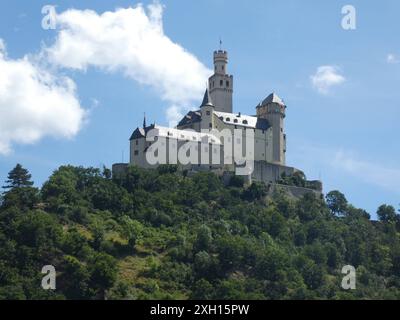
column 214, row 138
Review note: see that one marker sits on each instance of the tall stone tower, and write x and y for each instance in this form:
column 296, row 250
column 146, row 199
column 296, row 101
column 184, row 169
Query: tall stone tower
column 220, row 83
column 273, row 108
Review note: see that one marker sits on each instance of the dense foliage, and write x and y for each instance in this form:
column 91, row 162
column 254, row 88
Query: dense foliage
column 162, row 234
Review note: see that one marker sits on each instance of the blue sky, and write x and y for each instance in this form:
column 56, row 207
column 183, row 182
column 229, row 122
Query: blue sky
column 343, row 128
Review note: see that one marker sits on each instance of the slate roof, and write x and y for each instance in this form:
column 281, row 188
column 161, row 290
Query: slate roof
column 272, row 98
column 190, row 117
column 207, row 99
column 141, row 132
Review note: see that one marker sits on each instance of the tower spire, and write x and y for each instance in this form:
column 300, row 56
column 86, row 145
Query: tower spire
column 207, row 99
column 144, row 121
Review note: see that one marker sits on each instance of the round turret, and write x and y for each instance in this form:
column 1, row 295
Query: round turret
column 220, row 61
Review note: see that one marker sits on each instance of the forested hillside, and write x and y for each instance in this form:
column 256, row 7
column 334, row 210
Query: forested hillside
column 163, row 235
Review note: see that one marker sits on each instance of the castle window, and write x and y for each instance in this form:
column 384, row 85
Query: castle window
column 235, row 121
column 136, row 152
column 136, row 142
column 223, row 68
column 208, row 113
column 221, row 83
column 245, row 122
column 210, row 125
column 228, row 119
column 227, row 84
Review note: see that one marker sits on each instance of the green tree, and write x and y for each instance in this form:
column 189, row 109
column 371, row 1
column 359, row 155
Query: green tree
column 132, row 230
column 18, row 177
column 236, row 181
column 103, row 273
column 75, row 279
column 203, row 239
column 20, row 192
column 386, row 213
column 336, row 202
column 256, row 191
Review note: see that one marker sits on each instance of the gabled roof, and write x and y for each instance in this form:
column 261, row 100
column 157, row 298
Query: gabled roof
column 272, row 98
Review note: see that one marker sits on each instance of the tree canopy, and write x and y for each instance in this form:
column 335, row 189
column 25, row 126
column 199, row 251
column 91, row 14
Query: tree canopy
column 165, row 234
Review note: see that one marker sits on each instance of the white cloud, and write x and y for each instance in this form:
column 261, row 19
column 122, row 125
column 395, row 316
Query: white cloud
column 372, row 173
column 325, row 78
column 2, row 47
column 392, row 59
column 345, row 163
column 131, row 41
column 34, row 103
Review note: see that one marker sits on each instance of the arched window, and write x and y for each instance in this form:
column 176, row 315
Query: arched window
column 245, row 122
column 228, row 119
column 235, row 121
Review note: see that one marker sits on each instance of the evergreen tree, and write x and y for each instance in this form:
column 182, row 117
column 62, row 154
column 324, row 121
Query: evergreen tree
column 18, row 177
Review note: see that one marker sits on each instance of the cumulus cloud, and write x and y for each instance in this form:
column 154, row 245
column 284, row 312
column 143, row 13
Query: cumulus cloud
column 325, row 78
column 35, row 103
column 131, row 41
column 392, row 58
